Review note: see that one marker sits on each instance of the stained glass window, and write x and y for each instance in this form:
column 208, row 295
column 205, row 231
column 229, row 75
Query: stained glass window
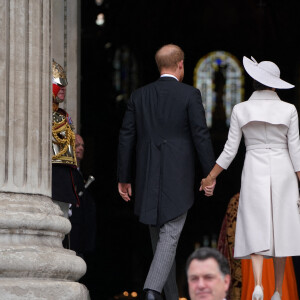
column 211, row 67
column 125, row 78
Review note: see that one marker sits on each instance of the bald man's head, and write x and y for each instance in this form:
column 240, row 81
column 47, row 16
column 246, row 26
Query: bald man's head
column 168, row 57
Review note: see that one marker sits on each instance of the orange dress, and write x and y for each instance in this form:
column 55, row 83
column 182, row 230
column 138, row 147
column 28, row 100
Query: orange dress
column 289, row 286
column 242, row 280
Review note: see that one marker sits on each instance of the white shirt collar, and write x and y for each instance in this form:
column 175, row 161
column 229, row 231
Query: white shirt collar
column 169, row 75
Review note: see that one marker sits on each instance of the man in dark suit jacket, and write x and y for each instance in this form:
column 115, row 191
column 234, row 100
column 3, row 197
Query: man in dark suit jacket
column 164, row 124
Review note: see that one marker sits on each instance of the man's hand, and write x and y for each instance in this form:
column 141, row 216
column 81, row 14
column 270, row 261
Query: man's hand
column 125, row 190
column 208, row 185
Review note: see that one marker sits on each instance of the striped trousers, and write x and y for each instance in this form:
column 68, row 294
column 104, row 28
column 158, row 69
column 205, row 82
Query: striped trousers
column 162, row 272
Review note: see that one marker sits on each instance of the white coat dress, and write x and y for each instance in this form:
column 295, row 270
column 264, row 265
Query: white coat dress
column 268, row 221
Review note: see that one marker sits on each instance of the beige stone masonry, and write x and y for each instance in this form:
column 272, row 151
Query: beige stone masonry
column 33, row 263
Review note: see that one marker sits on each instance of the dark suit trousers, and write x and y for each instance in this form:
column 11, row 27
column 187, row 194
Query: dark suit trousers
column 162, row 273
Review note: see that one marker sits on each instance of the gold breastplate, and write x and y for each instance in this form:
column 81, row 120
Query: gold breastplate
column 63, row 139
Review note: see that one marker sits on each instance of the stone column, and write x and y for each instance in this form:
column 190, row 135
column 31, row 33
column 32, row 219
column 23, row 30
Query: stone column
column 66, row 51
column 33, row 263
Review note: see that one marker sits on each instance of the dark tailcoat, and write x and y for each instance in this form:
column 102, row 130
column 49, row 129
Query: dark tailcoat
column 164, row 124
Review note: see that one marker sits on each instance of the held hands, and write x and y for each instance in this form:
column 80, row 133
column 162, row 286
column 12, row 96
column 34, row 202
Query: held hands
column 125, row 190
column 208, row 185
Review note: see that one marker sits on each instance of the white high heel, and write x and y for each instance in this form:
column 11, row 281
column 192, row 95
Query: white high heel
column 258, row 293
column 276, row 296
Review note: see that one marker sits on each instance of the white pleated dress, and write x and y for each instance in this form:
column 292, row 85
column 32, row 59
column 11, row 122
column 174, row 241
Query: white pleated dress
column 268, row 221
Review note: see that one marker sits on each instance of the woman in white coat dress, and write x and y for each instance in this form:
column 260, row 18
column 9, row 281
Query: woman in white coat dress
column 268, row 216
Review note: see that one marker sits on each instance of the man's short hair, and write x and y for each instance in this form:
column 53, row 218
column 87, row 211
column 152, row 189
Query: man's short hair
column 168, row 56
column 206, row 253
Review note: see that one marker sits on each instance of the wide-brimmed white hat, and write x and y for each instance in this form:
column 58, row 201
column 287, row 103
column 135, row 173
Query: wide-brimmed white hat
column 265, row 72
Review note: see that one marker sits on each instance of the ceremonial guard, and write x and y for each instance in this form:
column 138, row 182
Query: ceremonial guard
column 64, row 162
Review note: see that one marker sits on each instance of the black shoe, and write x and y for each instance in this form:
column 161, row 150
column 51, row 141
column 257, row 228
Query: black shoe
column 152, row 295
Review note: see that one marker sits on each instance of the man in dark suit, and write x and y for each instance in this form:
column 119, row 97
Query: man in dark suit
column 164, row 123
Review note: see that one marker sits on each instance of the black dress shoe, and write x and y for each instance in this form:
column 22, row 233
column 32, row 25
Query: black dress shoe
column 152, row 295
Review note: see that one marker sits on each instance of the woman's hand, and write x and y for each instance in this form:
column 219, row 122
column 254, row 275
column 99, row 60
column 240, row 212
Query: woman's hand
column 208, row 183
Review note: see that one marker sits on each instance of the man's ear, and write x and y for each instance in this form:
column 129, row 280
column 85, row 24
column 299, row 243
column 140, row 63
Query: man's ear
column 227, row 281
column 180, row 64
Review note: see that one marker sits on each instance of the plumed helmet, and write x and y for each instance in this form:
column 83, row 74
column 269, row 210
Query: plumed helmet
column 58, row 74
column 59, row 80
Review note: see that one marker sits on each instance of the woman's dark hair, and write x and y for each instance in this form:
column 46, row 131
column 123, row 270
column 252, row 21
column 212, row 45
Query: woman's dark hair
column 259, row 86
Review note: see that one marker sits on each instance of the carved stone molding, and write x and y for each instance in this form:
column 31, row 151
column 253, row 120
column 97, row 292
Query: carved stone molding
column 33, row 263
